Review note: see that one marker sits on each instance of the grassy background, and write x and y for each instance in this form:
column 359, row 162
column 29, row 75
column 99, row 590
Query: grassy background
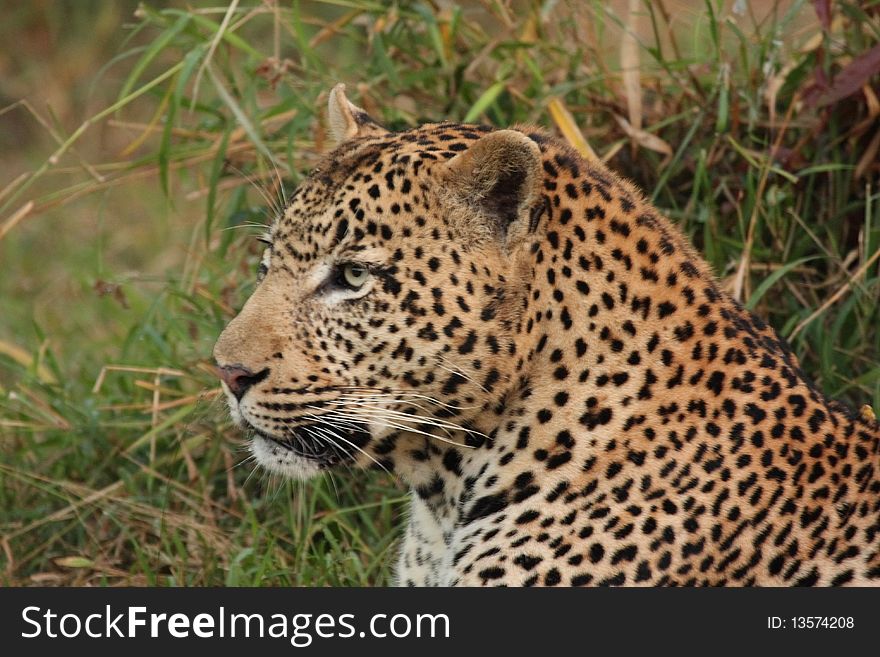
column 144, row 145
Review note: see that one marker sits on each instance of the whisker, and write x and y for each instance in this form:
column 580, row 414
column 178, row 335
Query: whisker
column 345, row 440
column 385, row 422
column 252, row 179
column 373, row 411
column 329, row 475
column 247, row 224
column 251, row 474
column 456, row 369
column 406, row 417
column 408, row 393
column 245, row 460
column 280, row 182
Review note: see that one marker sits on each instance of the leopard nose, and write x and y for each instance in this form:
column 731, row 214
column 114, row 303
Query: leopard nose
column 240, row 379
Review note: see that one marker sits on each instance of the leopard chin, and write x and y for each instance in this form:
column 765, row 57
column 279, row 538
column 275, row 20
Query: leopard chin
column 306, row 450
column 277, row 458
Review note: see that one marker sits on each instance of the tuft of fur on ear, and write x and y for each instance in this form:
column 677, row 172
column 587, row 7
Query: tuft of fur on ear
column 499, row 177
column 347, row 120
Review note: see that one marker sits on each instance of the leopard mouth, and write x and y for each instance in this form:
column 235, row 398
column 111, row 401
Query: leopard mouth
column 316, row 444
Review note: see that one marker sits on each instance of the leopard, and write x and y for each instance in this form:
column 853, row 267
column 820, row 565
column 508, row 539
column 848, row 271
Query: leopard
column 542, row 357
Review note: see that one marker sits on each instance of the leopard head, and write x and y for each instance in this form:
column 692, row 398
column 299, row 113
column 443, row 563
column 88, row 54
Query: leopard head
column 385, row 318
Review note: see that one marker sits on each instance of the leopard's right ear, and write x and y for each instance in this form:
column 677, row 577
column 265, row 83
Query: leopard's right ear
column 497, row 183
column 348, row 121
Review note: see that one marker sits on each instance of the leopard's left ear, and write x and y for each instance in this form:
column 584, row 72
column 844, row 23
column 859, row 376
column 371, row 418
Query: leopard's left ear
column 348, row 121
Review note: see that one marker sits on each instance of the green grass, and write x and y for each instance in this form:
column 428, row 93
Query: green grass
column 200, row 119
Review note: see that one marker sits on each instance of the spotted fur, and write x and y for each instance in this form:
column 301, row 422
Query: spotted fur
column 551, row 367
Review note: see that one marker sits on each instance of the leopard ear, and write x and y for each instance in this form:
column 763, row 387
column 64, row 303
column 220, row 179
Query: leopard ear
column 500, row 177
column 348, row 121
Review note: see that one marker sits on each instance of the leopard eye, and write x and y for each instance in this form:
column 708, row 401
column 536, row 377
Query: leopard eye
column 353, row 276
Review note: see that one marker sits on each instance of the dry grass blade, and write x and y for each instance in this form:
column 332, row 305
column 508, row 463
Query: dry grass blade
column 834, row 298
column 206, row 62
column 151, row 126
column 19, row 214
column 24, row 358
column 740, row 280
column 65, row 512
column 56, row 137
column 157, row 371
column 68, row 144
column 37, row 403
column 869, row 161
column 569, row 129
column 334, row 28
column 630, row 69
column 12, row 185
column 644, row 138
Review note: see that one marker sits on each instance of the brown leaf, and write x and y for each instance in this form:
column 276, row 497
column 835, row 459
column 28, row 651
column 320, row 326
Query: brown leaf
column 813, row 90
column 823, row 11
column 103, row 288
column 852, row 77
